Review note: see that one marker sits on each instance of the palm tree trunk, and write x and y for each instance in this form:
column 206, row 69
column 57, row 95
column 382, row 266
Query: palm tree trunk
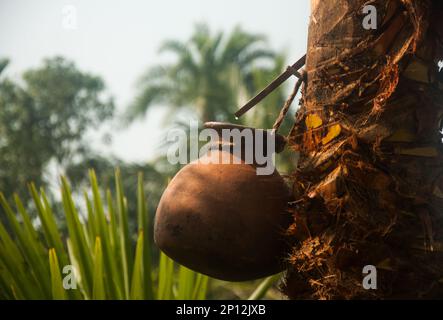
column 370, row 175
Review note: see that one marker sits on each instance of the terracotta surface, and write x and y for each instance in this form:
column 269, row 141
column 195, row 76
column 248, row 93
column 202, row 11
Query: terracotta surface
column 224, row 220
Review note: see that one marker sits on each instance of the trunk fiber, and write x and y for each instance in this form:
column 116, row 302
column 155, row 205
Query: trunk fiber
column 369, row 181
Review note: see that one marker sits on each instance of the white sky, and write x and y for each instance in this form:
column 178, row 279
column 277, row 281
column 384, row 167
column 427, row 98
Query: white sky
column 118, row 40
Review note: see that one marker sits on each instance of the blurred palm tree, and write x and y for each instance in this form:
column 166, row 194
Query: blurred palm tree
column 210, row 75
column 3, row 63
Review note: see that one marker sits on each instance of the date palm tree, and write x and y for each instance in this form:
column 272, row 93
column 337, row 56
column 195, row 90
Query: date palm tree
column 3, row 64
column 209, row 75
column 369, row 180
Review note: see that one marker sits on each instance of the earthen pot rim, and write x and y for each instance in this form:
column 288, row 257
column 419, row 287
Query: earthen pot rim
column 218, row 126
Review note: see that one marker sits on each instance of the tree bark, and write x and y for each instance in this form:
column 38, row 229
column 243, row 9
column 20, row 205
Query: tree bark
column 369, row 181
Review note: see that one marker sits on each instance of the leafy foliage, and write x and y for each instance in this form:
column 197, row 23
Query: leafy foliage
column 98, row 245
column 46, row 118
column 155, row 179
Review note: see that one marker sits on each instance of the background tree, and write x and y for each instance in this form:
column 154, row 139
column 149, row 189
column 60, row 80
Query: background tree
column 211, row 73
column 45, row 119
column 212, row 76
column 3, row 64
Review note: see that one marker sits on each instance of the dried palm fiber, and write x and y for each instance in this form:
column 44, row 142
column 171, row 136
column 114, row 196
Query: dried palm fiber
column 370, row 175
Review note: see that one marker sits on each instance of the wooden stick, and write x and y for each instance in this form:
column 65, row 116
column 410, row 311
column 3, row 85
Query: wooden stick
column 291, row 70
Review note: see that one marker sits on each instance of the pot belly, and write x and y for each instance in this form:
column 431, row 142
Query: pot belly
column 224, row 220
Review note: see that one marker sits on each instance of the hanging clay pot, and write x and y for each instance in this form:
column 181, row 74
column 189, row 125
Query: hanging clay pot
column 224, row 220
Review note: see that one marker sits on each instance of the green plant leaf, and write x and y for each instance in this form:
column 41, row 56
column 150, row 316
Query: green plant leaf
column 125, row 244
column 80, row 247
column 15, row 263
column 58, row 292
column 200, row 287
column 186, row 279
column 92, row 221
column 110, row 265
column 47, row 219
column 137, row 283
column 9, row 282
column 144, row 225
column 98, row 291
column 264, row 286
column 165, row 278
column 30, row 251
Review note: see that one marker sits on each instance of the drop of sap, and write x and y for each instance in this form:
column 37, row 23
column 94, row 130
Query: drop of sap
column 236, row 118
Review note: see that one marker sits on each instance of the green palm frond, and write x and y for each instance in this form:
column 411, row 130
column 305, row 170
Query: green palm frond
column 3, row 64
column 206, row 75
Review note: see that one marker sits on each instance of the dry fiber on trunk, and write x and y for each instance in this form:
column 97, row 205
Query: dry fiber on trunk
column 369, row 182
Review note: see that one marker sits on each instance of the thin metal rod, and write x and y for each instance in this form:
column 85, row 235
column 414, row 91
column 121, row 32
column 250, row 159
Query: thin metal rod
column 291, row 70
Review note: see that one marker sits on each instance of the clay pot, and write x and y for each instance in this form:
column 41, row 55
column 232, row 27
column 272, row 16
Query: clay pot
column 224, row 220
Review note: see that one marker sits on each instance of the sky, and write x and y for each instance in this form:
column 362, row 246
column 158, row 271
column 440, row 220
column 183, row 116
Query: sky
column 119, row 40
